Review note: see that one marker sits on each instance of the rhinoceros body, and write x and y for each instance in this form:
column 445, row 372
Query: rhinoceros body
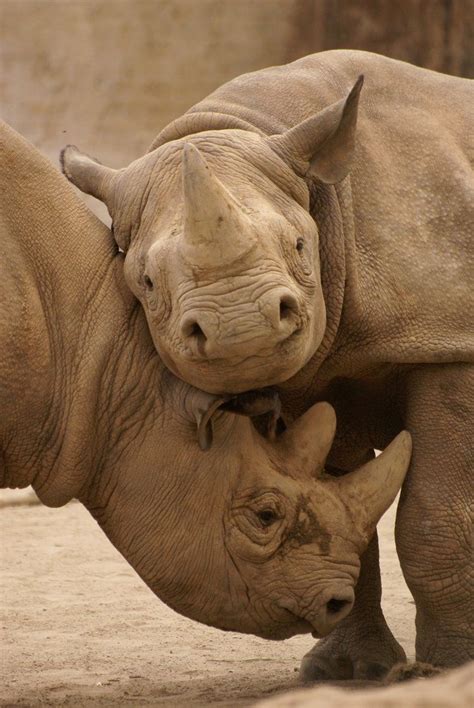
column 293, row 229
column 250, row 535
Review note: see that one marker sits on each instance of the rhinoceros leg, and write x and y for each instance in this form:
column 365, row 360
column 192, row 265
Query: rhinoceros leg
column 434, row 521
column 362, row 646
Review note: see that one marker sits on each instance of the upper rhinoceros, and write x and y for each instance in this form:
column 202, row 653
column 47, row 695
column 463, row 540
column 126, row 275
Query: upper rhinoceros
column 278, row 219
column 283, row 220
column 250, row 536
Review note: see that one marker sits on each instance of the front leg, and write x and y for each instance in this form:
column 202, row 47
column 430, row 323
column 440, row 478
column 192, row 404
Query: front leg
column 434, row 520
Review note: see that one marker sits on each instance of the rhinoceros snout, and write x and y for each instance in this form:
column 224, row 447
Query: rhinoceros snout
column 271, row 320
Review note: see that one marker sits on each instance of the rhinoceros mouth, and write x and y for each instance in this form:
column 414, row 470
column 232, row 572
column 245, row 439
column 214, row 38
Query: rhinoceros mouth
column 291, row 627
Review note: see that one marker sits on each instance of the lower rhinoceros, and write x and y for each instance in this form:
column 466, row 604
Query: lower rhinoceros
column 292, row 229
column 251, row 535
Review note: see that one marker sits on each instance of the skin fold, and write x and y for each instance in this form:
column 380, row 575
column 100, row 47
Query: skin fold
column 250, row 536
column 346, row 277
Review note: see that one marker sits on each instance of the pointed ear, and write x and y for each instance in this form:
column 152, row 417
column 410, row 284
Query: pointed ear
column 87, row 174
column 307, row 441
column 322, row 146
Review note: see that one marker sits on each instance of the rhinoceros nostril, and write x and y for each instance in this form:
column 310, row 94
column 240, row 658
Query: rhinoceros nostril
column 197, row 332
column 288, row 307
column 193, row 332
column 148, row 282
column 335, row 605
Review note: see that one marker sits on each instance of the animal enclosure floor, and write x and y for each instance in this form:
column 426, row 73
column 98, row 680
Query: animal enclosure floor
column 79, row 628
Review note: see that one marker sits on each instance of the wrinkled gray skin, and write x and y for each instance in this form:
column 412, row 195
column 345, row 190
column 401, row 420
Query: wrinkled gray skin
column 250, row 536
column 368, row 250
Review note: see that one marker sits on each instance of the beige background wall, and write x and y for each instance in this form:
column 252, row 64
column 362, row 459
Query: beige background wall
column 107, row 75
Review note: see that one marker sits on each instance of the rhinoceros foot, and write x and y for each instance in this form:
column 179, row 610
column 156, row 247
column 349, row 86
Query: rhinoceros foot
column 346, row 655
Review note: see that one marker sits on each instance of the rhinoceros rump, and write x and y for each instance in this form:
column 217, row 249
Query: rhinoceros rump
column 349, row 280
column 250, row 536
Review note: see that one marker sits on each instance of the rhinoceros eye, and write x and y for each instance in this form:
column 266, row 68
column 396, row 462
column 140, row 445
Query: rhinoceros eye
column 299, row 244
column 267, row 517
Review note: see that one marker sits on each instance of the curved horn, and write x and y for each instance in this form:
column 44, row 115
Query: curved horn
column 322, row 146
column 86, row 173
column 308, row 440
column 216, row 230
column 369, row 491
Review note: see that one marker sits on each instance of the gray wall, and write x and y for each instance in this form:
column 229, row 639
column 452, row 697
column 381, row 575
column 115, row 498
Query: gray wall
column 107, row 75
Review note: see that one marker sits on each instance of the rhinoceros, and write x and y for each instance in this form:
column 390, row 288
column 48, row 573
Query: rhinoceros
column 251, row 535
column 292, row 229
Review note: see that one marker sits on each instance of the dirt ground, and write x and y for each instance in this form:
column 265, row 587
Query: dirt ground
column 79, row 628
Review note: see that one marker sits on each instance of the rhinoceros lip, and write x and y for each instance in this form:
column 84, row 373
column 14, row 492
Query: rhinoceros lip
column 296, row 619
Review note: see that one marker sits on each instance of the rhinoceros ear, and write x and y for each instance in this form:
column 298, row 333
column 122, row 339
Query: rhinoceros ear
column 307, row 441
column 87, row 174
column 322, row 146
column 263, row 405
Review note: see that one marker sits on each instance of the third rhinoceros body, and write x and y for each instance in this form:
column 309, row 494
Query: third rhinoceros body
column 293, row 230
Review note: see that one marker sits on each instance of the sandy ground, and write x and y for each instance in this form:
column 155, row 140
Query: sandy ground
column 79, row 628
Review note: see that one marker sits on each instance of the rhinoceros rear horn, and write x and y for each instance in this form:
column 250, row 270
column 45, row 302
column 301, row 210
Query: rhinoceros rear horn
column 86, row 173
column 308, row 440
column 322, row 146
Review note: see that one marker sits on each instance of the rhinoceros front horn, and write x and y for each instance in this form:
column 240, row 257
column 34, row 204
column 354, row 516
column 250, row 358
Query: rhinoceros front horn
column 370, row 490
column 86, row 173
column 216, row 230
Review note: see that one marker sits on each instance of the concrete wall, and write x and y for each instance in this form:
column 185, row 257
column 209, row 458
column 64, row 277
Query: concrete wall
column 107, row 75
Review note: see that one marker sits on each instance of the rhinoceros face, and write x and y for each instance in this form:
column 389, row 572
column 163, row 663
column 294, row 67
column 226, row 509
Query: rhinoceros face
column 230, row 280
column 223, row 255
column 221, row 249
column 251, row 536
column 295, row 535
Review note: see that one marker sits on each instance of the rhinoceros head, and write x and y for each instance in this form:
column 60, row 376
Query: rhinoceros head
column 251, row 535
column 220, row 246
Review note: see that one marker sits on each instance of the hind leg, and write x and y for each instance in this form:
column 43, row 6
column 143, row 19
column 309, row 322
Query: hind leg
column 435, row 514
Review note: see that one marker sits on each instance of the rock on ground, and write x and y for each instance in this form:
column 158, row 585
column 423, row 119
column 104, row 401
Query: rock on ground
column 453, row 689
